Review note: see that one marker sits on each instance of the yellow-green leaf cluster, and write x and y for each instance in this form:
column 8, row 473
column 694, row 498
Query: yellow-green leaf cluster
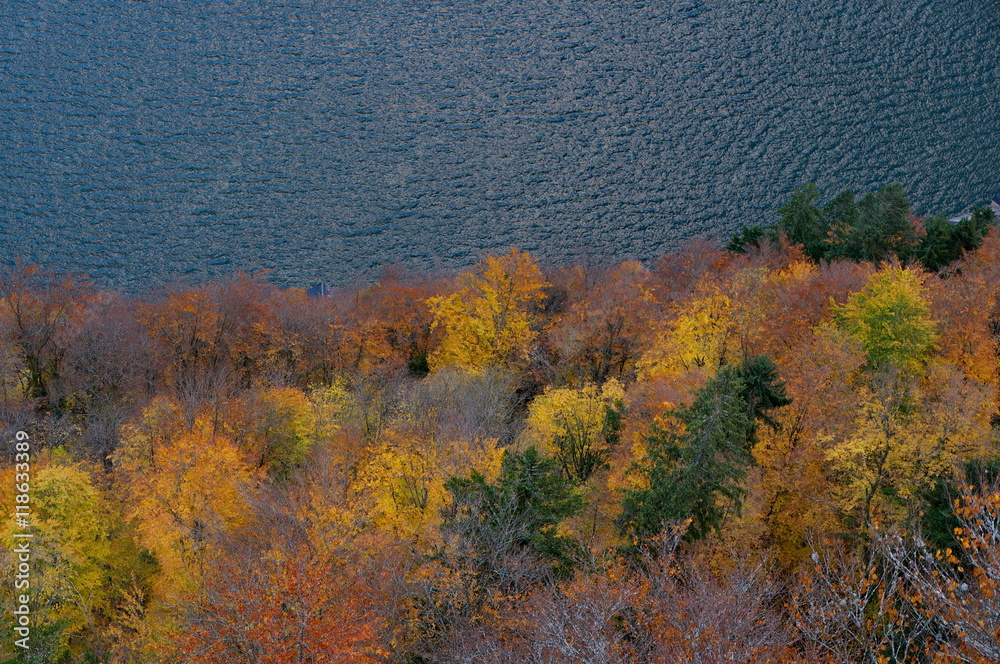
column 891, row 318
column 906, row 435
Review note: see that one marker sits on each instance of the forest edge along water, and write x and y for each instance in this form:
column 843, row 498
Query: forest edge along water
column 144, row 142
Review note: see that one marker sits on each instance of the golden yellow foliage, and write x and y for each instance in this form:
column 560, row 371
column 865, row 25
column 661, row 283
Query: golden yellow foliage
column 715, row 328
column 488, row 321
column 560, row 412
column 700, row 336
column 274, row 427
column 570, row 424
column 796, row 272
column 71, row 547
column 400, row 485
column 183, row 488
column 580, row 428
column 329, row 404
column 906, row 435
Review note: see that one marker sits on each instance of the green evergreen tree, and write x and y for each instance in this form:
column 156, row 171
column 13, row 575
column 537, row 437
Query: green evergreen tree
column 518, row 513
column 762, row 392
column 841, row 215
column 803, row 222
column 938, row 247
column 696, row 473
column 748, row 238
column 971, row 231
column 945, row 242
column 882, row 229
column 877, row 228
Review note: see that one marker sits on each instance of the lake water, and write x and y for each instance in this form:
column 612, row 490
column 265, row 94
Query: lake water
column 144, row 140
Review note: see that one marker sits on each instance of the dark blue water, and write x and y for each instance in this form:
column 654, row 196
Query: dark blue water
column 319, row 140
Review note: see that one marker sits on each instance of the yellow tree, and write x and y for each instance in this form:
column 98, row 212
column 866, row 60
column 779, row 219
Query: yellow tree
column 580, row 428
column 702, row 335
column 907, row 434
column 718, row 326
column 73, row 516
column 328, row 407
column 69, row 552
column 916, row 417
column 84, row 558
column 275, row 428
column 577, row 427
column 185, row 486
column 401, row 482
column 488, row 322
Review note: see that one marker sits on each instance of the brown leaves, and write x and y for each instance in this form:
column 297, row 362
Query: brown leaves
column 39, row 314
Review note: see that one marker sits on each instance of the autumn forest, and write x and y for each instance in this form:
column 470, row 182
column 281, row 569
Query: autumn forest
column 785, row 450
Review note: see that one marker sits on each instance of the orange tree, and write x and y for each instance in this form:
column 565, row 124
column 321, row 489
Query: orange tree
column 279, row 608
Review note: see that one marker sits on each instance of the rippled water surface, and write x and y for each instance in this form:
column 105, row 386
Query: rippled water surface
column 141, row 140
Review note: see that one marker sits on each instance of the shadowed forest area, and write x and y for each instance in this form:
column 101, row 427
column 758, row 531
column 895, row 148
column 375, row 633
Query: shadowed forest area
column 783, row 451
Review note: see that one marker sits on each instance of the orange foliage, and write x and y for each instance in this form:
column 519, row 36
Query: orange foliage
column 394, row 326
column 212, row 340
column 184, row 487
column 604, row 328
column 282, row 609
column 218, row 399
column 969, row 304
